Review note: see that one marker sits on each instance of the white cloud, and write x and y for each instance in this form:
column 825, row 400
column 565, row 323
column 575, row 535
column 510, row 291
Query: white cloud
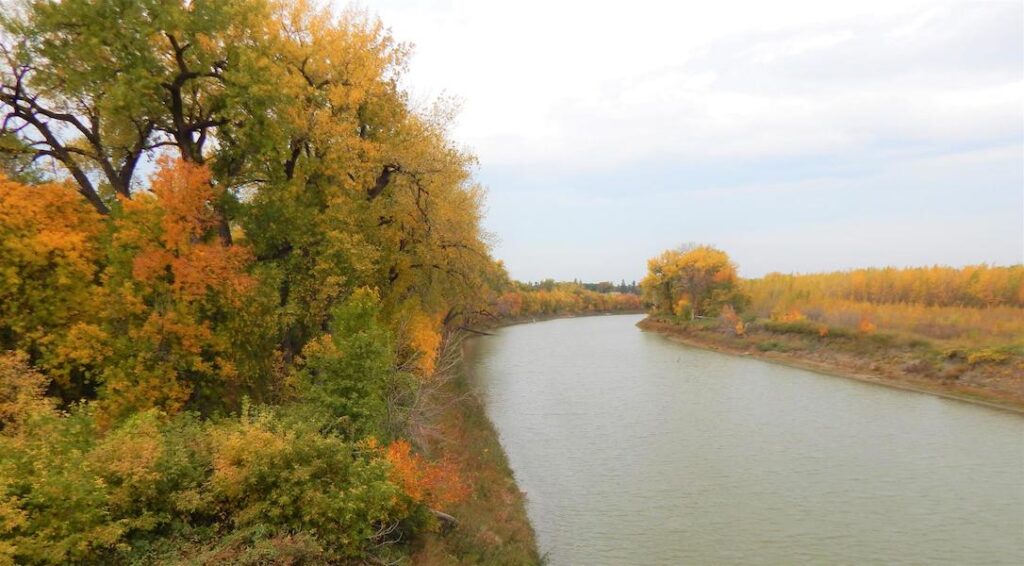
column 597, row 84
column 799, row 135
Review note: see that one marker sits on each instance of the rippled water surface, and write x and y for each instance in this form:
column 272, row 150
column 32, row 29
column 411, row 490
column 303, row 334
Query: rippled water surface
column 636, row 450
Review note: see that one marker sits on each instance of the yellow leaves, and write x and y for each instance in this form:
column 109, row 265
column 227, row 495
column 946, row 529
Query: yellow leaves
column 12, row 518
column 140, row 386
column 682, row 306
column 941, row 303
column 561, row 298
column 84, row 345
column 22, row 393
column 165, row 356
column 46, row 227
column 50, row 219
column 128, row 458
column 322, row 346
column 237, row 453
column 705, row 276
column 424, row 338
column 972, row 286
column 49, row 250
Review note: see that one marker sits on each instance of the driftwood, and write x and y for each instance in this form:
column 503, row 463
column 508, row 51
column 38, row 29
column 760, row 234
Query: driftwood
column 447, row 521
column 480, row 332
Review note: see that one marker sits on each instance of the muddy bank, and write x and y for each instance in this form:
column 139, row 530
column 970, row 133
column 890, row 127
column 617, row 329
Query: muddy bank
column 895, row 365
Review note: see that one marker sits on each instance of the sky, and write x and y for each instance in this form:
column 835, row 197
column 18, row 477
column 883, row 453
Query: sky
column 796, row 136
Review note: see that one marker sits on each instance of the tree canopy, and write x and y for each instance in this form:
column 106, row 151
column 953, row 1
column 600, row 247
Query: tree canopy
column 232, row 255
column 692, row 281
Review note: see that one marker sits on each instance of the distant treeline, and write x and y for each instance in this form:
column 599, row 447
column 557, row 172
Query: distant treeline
column 970, row 286
column 599, row 287
column 549, row 298
column 976, row 303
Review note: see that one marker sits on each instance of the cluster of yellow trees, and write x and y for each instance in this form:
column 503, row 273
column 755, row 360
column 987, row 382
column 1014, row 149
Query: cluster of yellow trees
column 980, row 304
column 231, row 254
column 970, row 286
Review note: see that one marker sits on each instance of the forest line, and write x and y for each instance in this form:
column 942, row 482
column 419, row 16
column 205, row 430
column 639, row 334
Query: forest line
column 954, row 330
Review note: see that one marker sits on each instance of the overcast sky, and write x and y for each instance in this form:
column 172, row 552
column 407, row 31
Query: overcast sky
column 797, row 136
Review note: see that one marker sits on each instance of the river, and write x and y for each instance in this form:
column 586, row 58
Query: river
column 633, row 449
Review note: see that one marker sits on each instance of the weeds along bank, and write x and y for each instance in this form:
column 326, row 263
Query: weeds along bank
column 954, row 331
column 232, row 254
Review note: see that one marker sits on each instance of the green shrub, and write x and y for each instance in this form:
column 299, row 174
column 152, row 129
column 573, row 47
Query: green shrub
column 802, row 327
column 345, row 375
column 72, row 493
column 290, row 480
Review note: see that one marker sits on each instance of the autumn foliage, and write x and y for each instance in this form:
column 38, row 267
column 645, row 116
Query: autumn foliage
column 917, row 318
column 691, row 282
column 179, row 248
column 235, row 265
column 550, row 299
column 437, row 484
column 977, row 304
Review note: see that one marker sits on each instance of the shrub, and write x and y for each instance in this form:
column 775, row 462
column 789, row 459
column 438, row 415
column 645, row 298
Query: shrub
column 992, row 355
column 70, row 493
column 290, row 480
column 346, row 373
column 803, row 327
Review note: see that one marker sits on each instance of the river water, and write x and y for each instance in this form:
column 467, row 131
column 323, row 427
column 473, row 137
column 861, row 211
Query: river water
column 636, row 450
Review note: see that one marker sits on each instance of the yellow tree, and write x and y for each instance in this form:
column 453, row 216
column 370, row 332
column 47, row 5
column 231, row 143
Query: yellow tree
column 694, row 281
column 49, row 253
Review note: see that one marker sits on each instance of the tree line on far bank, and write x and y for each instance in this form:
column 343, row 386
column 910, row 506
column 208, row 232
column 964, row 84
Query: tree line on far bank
column 976, row 303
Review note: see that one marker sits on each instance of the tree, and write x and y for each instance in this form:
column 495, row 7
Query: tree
column 694, row 281
column 50, row 251
column 96, row 97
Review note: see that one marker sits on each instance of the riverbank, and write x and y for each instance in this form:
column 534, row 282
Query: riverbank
column 883, row 360
column 492, row 527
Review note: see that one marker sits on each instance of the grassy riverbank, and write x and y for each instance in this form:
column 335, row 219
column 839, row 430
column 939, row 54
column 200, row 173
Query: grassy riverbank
column 493, row 527
column 887, row 359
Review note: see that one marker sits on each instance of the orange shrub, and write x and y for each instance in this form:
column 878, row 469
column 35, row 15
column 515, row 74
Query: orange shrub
column 435, row 484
